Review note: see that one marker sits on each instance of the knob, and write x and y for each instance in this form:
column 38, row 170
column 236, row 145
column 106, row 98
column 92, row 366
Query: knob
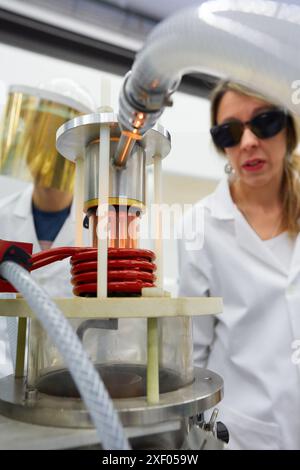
column 222, row 432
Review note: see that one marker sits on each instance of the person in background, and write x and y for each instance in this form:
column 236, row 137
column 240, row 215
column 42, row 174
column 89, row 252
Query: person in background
column 44, row 217
column 43, row 214
column 250, row 256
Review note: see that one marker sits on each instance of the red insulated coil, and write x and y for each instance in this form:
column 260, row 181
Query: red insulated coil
column 128, row 270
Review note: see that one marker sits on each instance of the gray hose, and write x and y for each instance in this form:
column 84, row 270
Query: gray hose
column 89, row 384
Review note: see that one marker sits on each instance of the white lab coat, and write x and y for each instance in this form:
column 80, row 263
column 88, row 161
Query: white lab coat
column 17, row 224
column 250, row 343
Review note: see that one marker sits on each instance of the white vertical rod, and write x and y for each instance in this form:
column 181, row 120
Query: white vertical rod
column 105, row 97
column 158, row 220
column 152, row 323
column 103, row 192
column 79, row 200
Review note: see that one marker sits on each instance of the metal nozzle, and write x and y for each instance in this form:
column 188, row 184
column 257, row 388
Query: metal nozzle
column 125, row 146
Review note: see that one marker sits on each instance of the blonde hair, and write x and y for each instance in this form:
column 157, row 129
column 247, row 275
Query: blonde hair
column 290, row 188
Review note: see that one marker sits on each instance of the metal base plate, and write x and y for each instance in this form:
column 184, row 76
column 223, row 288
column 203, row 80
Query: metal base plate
column 204, row 393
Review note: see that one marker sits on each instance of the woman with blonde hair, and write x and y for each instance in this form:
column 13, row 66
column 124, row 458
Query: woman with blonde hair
column 250, row 256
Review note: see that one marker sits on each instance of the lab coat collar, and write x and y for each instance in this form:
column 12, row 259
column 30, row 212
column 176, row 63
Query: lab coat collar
column 23, row 212
column 248, row 239
column 220, row 203
column 24, row 206
column 222, row 207
column 295, row 263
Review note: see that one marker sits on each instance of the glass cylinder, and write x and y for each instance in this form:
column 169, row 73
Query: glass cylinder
column 120, row 356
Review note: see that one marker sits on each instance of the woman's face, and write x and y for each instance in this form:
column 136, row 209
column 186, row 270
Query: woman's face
column 256, row 161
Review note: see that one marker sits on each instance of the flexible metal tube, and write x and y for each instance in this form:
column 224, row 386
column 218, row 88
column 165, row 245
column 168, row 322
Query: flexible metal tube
column 255, row 43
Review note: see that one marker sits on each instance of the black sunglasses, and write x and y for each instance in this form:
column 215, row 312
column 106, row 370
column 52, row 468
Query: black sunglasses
column 264, row 126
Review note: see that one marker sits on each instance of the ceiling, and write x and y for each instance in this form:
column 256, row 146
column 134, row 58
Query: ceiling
column 104, row 34
column 156, row 9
